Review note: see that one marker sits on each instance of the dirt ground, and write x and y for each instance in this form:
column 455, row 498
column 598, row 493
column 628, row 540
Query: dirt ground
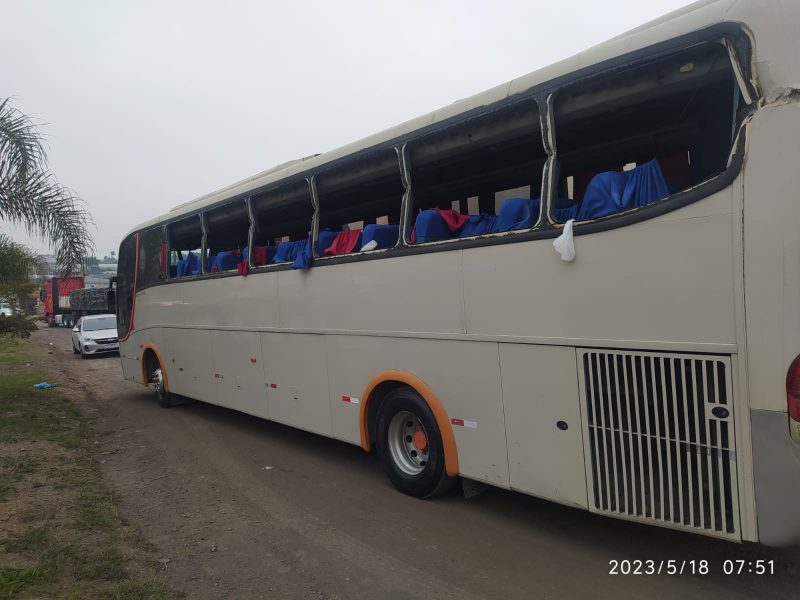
column 244, row 508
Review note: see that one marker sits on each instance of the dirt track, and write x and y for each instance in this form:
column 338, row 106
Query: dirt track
column 245, row 508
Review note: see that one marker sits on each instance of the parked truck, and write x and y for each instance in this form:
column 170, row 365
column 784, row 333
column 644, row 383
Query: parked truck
column 55, row 295
column 66, row 300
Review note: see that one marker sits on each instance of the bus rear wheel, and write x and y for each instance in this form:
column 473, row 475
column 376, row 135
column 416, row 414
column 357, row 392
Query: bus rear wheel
column 410, row 446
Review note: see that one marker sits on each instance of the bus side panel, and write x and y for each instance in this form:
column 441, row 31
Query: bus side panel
column 159, row 305
column 192, row 373
column 464, row 375
column 239, row 371
column 297, row 380
column 129, row 354
column 772, row 253
column 668, row 279
column 772, row 305
column 395, row 294
column 540, row 392
column 241, row 302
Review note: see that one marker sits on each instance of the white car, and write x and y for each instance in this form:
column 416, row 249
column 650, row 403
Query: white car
column 95, row 334
column 6, row 310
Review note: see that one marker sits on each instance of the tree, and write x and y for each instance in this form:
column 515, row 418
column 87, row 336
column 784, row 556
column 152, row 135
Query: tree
column 30, row 196
column 17, row 265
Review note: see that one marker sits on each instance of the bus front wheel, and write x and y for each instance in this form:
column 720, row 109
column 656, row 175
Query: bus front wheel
column 410, row 446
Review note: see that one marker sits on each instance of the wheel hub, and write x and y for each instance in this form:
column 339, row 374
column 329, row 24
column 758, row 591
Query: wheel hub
column 408, row 443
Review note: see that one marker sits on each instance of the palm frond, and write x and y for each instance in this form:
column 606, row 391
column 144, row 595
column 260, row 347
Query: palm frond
column 30, row 196
column 17, row 262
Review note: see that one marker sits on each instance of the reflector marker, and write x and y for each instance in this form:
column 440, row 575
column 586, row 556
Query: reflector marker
column 350, row 400
column 463, row 423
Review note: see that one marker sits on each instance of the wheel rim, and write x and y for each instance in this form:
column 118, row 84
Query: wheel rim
column 408, row 443
column 157, row 381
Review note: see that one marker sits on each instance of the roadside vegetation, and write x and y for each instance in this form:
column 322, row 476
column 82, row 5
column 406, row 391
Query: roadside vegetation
column 61, row 531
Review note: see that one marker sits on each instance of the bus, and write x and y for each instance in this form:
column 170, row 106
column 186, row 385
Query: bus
column 582, row 285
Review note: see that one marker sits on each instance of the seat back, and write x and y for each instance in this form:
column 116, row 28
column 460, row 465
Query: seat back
column 384, row 235
column 227, row 261
column 325, row 239
column 478, row 225
column 616, row 191
column 517, row 213
column 192, row 266
column 431, row 227
column 564, row 210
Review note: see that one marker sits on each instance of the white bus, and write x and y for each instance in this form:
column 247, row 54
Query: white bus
column 403, row 292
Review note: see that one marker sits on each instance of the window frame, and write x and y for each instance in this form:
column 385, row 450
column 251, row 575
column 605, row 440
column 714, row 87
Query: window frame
column 168, row 240
column 251, row 211
column 732, row 35
column 318, row 210
column 737, row 145
column 407, row 224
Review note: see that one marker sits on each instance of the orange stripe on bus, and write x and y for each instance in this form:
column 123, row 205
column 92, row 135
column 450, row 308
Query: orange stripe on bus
column 161, row 363
column 414, row 382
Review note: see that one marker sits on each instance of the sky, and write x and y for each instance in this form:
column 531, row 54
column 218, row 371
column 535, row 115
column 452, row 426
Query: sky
column 145, row 105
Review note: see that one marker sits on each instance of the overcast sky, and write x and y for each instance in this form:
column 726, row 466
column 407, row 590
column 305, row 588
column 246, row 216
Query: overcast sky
column 147, row 104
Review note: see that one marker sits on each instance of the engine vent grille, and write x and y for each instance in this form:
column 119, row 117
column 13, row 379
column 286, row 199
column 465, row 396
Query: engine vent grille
column 659, row 439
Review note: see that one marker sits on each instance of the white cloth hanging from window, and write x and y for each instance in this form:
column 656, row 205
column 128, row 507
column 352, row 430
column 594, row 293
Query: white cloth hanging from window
column 564, row 244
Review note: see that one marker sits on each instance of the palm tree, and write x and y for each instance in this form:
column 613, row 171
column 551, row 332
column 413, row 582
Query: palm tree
column 17, row 265
column 31, row 197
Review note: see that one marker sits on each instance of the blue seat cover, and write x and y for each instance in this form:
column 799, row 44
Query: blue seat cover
column 431, row 227
column 517, row 213
column 283, row 253
column 325, row 239
column 565, row 212
column 227, row 261
column 615, row 191
column 304, row 255
column 298, row 253
column 180, row 268
column 193, row 267
column 478, row 225
column 385, row 235
column 188, row 266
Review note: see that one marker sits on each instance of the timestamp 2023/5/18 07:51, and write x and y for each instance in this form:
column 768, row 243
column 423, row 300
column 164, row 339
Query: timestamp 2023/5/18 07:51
column 689, row 567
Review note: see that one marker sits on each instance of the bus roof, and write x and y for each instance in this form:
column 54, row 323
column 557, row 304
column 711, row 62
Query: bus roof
column 696, row 16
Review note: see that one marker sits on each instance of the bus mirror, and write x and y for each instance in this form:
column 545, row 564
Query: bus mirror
column 111, row 301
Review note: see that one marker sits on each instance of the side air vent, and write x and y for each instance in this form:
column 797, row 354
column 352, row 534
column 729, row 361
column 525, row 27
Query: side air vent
column 659, row 439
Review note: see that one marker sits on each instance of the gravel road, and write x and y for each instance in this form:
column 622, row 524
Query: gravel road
column 244, row 508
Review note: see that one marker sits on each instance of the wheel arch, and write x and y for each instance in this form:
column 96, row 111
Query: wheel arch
column 151, row 352
column 376, row 392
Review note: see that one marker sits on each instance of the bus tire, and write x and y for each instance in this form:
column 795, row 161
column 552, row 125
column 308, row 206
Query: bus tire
column 164, row 398
column 154, row 377
column 409, row 445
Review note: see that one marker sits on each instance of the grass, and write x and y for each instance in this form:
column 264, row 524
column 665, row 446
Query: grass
column 12, row 351
column 67, row 538
column 13, row 581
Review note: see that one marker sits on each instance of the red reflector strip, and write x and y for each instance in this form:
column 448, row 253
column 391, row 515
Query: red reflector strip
column 463, row 423
column 273, row 385
column 350, row 400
